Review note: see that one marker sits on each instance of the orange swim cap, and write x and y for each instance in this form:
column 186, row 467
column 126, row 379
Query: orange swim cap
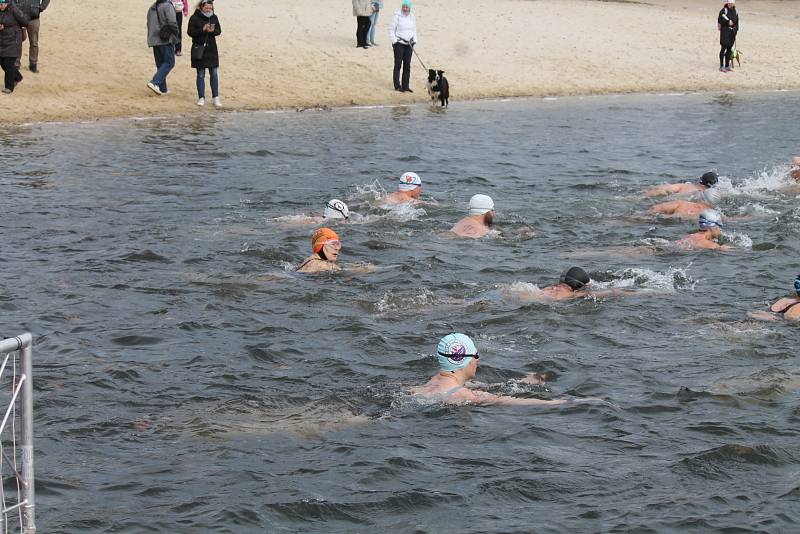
column 319, row 238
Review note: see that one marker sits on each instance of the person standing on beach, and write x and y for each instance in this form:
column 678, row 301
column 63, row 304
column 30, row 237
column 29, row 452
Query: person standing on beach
column 162, row 34
column 12, row 20
column 33, row 10
column 181, row 10
column 203, row 28
column 728, row 24
column 377, row 5
column 362, row 10
column 403, row 35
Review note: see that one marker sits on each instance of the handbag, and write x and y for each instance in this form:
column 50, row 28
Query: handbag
column 199, row 50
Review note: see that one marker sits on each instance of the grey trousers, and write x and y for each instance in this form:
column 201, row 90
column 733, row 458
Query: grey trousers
column 33, row 39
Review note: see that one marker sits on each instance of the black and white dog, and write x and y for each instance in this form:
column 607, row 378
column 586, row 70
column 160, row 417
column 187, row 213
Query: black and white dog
column 438, row 88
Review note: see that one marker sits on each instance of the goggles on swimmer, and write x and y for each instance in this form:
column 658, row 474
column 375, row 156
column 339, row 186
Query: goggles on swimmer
column 458, row 357
column 335, row 243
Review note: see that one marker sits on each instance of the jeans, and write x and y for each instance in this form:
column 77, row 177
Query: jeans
column 165, row 61
column 201, row 82
column 374, row 24
column 402, row 54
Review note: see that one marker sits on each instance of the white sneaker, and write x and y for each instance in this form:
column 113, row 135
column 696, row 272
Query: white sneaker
column 217, row 103
column 201, row 102
column 153, row 87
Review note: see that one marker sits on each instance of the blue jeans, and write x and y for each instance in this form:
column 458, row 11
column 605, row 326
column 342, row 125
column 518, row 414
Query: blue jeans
column 165, row 61
column 201, row 82
column 374, row 20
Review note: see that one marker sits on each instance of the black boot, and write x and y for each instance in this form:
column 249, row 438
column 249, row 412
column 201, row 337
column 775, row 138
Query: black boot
column 33, row 67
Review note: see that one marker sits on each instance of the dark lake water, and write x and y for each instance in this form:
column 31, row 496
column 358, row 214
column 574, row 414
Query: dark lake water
column 186, row 380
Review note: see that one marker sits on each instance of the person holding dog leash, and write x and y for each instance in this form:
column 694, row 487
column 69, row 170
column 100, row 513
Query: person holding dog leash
column 728, row 24
column 403, row 34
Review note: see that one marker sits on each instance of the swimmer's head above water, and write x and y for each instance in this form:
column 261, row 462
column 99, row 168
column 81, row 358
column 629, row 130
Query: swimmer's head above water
column 709, row 179
column 711, row 196
column 797, row 285
column 409, row 181
column 455, row 352
column 336, row 209
column 709, row 219
column 482, row 205
column 575, row 277
column 325, row 242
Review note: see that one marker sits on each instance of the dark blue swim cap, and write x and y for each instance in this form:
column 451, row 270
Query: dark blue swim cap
column 797, row 285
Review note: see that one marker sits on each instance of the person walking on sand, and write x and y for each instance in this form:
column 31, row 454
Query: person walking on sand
column 12, row 21
column 728, row 24
column 181, row 10
column 204, row 28
column 377, row 5
column 403, row 35
column 362, row 10
column 33, row 10
column 162, row 34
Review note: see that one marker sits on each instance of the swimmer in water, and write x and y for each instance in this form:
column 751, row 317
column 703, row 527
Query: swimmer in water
column 786, row 307
column 458, row 363
column 573, row 283
column 707, row 181
column 326, row 245
column 479, row 220
column 685, row 209
column 710, row 225
column 794, row 173
column 408, row 190
column 335, row 210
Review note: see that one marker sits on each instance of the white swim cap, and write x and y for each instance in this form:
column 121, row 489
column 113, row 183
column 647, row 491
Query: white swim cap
column 409, row 181
column 712, row 196
column 709, row 219
column 480, row 204
column 336, row 209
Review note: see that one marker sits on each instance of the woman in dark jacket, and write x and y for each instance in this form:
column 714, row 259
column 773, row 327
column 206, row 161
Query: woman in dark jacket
column 11, row 22
column 203, row 29
column 728, row 23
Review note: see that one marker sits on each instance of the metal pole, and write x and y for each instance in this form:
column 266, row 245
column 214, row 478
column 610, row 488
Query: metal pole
column 26, row 436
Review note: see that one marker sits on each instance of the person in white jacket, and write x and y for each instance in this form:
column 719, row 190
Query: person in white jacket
column 403, row 34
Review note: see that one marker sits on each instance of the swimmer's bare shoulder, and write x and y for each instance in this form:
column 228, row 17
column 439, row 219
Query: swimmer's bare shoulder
column 316, row 264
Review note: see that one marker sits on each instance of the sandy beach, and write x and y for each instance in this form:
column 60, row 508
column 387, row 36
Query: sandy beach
column 302, row 54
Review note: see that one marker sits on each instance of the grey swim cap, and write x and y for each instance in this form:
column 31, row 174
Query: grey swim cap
column 711, row 196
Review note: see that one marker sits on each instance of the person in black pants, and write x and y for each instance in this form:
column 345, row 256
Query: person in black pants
column 12, row 20
column 403, row 34
column 362, row 9
column 728, row 22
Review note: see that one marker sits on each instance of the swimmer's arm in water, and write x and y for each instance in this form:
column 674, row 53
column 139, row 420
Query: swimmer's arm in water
column 762, row 315
column 488, row 399
column 360, row 268
column 661, row 190
column 665, row 208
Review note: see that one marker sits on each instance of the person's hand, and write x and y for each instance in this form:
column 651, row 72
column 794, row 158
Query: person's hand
column 730, row 23
column 2, row 27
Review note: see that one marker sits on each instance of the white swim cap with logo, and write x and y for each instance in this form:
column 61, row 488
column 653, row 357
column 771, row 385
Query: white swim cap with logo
column 480, row 204
column 336, row 209
column 409, row 181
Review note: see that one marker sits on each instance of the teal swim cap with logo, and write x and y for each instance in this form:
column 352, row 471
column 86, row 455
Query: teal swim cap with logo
column 455, row 351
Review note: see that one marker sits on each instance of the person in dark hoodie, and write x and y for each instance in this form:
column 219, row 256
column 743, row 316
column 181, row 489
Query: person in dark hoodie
column 203, row 29
column 728, row 23
column 32, row 9
column 162, row 35
column 12, row 20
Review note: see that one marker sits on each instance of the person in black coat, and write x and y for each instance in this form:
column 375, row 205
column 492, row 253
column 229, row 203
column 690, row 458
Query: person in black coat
column 12, row 20
column 203, row 28
column 728, row 23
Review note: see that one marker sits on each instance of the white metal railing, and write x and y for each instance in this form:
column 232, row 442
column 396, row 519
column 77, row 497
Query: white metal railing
column 22, row 388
